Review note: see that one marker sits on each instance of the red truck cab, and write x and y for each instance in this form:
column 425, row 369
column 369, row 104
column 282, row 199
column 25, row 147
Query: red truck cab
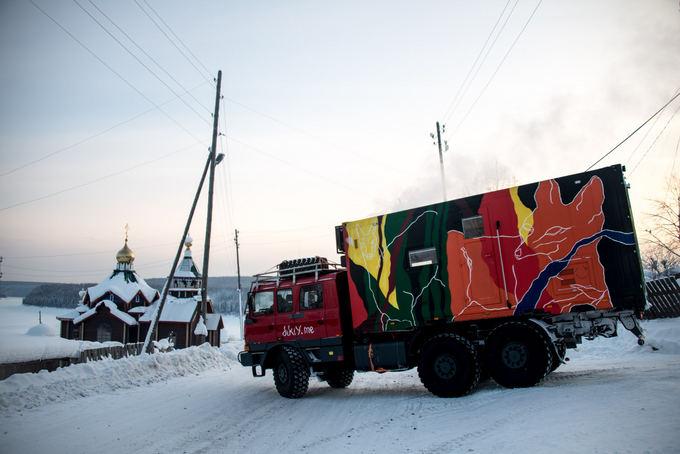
column 292, row 311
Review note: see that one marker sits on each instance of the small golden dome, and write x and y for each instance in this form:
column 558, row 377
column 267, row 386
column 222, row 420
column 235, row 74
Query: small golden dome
column 125, row 255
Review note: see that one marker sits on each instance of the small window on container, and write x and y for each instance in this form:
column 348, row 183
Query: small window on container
column 422, row 257
column 473, row 227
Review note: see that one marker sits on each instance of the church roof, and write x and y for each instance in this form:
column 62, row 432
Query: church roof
column 111, row 306
column 213, row 322
column 187, row 267
column 125, row 284
column 175, row 310
column 73, row 313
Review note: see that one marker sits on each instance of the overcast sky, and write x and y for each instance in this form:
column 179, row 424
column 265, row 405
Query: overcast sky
column 327, row 112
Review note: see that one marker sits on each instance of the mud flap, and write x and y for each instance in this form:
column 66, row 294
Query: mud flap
column 632, row 324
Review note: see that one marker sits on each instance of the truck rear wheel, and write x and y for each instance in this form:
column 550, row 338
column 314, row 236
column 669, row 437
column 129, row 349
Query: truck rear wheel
column 517, row 355
column 448, row 365
column 338, row 377
column 291, row 375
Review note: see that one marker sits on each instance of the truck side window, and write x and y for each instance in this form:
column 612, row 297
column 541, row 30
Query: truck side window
column 473, row 227
column 263, row 303
column 311, row 297
column 284, row 300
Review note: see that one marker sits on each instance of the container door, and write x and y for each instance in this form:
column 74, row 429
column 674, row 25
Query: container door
column 477, row 284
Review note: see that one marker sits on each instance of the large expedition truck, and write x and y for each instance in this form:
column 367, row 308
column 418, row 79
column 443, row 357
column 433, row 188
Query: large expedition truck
column 497, row 284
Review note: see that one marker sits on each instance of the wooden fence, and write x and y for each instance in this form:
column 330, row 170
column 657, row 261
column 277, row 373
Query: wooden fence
column 50, row 364
column 663, row 296
column 116, row 352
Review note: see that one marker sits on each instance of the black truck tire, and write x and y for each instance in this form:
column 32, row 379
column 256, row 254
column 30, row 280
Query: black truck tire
column 291, row 374
column 517, row 355
column 338, row 377
column 448, row 365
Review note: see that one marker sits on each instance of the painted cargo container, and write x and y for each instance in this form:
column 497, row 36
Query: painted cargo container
column 560, row 245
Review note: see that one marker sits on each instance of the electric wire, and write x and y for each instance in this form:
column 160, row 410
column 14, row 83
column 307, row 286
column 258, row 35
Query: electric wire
column 116, row 73
column 362, row 156
column 168, row 38
column 323, row 178
column 207, row 71
column 643, row 139
column 133, row 55
column 167, row 73
column 90, row 137
column 80, row 254
column 96, row 180
column 636, row 130
column 654, row 141
column 512, row 46
column 457, row 97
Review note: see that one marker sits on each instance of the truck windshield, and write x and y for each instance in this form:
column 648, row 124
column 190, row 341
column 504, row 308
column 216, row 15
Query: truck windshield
column 263, row 303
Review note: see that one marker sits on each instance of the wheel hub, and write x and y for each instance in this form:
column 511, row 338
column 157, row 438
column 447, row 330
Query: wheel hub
column 282, row 372
column 514, row 355
column 445, row 366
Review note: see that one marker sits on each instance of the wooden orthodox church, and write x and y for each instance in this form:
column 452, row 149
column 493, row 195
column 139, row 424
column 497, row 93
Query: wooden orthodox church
column 122, row 306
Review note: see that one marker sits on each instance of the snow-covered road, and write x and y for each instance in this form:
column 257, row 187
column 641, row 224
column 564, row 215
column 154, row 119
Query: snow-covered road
column 612, row 397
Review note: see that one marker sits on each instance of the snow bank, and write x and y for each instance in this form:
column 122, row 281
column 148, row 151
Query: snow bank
column 41, row 330
column 107, row 376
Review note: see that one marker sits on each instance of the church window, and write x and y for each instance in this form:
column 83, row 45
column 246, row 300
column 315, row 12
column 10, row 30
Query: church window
column 104, row 332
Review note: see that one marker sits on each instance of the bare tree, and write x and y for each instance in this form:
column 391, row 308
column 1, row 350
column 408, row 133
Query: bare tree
column 663, row 237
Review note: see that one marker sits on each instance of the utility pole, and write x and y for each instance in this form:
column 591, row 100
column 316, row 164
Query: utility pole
column 238, row 290
column 211, row 186
column 441, row 159
column 153, row 327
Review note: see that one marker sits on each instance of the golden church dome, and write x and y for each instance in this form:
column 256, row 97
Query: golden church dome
column 125, row 255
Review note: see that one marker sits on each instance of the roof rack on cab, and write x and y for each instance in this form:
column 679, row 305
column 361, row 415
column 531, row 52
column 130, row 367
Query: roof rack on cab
column 292, row 269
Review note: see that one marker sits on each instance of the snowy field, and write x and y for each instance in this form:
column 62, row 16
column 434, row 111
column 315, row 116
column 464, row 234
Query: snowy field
column 612, row 397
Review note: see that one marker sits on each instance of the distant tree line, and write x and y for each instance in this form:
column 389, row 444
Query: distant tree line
column 55, row 295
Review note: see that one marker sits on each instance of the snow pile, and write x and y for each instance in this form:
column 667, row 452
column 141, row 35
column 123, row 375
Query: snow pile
column 41, row 330
column 107, row 376
column 16, row 348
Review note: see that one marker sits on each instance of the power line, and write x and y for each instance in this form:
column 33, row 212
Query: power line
column 132, row 54
column 80, row 142
column 512, row 46
column 151, row 58
column 96, row 180
column 363, row 156
column 654, row 141
column 456, row 99
column 168, row 37
column 178, row 39
column 323, row 178
column 79, row 254
column 90, row 137
column 128, row 83
column 636, row 130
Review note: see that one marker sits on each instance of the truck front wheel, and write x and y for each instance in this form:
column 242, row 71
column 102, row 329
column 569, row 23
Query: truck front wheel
column 448, row 365
column 517, row 355
column 291, row 374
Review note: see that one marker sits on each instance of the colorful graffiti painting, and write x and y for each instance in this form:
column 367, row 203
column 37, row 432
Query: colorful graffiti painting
column 539, row 247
